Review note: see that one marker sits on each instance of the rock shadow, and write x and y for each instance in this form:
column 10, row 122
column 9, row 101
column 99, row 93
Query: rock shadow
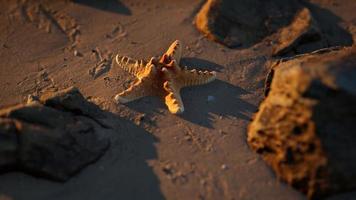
column 197, row 62
column 121, row 173
column 114, row 6
column 126, row 173
column 330, row 26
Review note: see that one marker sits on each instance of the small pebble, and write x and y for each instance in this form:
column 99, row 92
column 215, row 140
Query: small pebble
column 139, row 119
column 223, row 167
column 77, row 53
column 188, row 138
column 222, row 132
column 203, row 182
column 211, row 98
column 32, row 98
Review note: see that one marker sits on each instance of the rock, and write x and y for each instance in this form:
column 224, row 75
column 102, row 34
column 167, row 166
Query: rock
column 305, row 128
column 53, row 137
column 244, row 22
column 292, row 26
column 303, row 35
column 72, row 100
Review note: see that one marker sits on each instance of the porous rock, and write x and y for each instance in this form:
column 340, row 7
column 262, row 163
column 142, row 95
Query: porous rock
column 53, row 137
column 305, row 127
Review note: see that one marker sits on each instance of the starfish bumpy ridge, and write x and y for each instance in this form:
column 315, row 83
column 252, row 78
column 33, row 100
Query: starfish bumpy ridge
column 161, row 77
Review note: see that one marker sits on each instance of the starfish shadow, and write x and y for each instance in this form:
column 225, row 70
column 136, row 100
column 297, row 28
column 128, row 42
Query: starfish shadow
column 197, row 62
column 149, row 105
column 198, row 109
column 152, row 105
column 114, row 6
column 224, row 102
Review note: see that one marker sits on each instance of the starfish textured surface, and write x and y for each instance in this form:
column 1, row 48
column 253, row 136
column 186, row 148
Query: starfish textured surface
column 161, row 77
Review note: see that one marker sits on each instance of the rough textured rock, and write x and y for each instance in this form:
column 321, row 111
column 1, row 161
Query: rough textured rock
column 53, row 137
column 301, row 36
column 244, row 22
column 305, row 128
column 294, row 27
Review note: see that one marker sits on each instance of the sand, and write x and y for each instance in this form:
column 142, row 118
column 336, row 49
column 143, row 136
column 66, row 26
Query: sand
column 201, row 154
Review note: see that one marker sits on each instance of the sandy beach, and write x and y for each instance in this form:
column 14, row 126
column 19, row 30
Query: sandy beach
column 153, row 154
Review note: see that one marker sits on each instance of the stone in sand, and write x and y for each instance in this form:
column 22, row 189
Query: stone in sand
column 54, row 137
column 305, row 128
column 243, row 22
column 301, row 36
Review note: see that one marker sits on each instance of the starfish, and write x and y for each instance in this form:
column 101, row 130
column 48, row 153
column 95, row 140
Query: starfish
column 161, row 76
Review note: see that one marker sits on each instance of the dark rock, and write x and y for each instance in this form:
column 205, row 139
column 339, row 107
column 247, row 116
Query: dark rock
column 301, row 36
column 71, row 100
column 244, row 22
column 305, row 128
column 292, row 26
column 54, row 137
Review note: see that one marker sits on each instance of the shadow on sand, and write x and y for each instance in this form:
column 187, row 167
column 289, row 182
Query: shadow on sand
column 225, row 103
column 200, row 64
column 330, row 25
column 126, row 173
column 198, row 109
column 108, row 5
column 122, row 172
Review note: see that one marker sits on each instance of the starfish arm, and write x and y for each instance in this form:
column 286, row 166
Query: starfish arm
column 175, row 51
column 148, row 70
column 173, row 99
column 196, row 77
column 130, row 65
column 142, row 87
column 132, row 93
column 136, row 91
